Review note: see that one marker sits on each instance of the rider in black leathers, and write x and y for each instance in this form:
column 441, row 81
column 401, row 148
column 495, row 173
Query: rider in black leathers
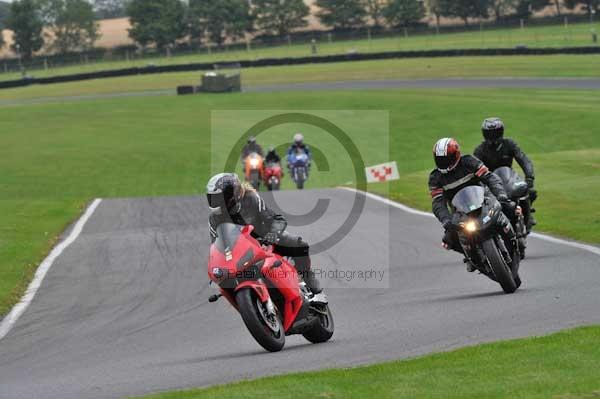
column 250, row 147
column 272, row 156
column 453, row 173
column 497, row 151
column 231, row 201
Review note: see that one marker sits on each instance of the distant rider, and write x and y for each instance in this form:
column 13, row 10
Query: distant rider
column 272, row 156
column 298, row 145
column 230, row 201
column 496, row 151
column 453, row 173
column 250, row 147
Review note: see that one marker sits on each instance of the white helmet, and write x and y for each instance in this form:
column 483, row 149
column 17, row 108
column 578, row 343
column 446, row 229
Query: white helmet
column 298, row 138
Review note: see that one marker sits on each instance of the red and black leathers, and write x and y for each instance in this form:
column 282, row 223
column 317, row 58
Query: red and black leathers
column 470, row 171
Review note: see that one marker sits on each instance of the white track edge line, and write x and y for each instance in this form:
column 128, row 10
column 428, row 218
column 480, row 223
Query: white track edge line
column 9, row 321
column 544, row 237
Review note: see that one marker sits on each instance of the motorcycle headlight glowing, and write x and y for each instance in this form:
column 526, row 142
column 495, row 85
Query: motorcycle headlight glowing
column 470, row 226
column 254, row 162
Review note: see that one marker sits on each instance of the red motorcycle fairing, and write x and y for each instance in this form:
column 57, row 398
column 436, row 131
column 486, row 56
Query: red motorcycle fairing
column 284, row 277
column 273, row 170
column 229, row 260
column 232, row 260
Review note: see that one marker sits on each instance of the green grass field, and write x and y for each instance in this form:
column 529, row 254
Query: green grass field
column 544, row 36
column 555, row 66
column 562, row 366
column 57, row 157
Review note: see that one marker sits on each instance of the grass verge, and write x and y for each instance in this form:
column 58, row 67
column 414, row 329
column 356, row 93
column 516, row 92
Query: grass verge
column 553, row 66
column 562, row 365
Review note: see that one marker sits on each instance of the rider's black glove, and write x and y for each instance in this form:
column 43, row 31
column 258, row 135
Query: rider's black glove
column 532, row 195
column 449, row 226
column 508, row 207
column 529, row 181
column 532, row 191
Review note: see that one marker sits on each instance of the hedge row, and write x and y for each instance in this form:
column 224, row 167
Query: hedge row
column 299, row 60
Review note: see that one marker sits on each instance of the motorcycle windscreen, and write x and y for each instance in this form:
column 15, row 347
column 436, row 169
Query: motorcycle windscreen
column 299, row 159
column 513, row 184
column 469, row 199
column 227, row 236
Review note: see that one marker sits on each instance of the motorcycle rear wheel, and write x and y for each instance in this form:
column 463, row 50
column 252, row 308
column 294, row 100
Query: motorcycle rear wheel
column 323, row 330
column 273, row 184
column 499, row 267
column 260, row 330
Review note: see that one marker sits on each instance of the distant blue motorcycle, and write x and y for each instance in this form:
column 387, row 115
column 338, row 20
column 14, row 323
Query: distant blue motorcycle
column 299, row 164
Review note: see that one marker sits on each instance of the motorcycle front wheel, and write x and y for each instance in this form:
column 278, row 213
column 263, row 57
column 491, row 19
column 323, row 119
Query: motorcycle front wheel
column 323, row 330
column 499, row 267
column 266, row 330
column 255, row 179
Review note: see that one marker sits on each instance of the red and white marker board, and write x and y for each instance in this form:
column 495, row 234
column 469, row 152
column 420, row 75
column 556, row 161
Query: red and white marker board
column 383, row 172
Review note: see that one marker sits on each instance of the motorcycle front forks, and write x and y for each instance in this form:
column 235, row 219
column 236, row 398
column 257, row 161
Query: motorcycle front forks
column 508, row 236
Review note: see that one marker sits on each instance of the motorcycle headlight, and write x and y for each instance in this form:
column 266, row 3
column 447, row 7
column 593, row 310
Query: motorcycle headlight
column 254, row 162
column 218, row 273
column 471, row 226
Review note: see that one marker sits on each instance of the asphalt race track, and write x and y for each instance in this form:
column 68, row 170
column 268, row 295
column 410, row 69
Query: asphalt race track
column 124, row 310
column 448, row 83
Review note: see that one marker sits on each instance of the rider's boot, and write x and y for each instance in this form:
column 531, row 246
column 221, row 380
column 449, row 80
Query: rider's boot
column 532, row 220
column 450, row 244
column 312, row 283
column 470, row 266
column 302, row 264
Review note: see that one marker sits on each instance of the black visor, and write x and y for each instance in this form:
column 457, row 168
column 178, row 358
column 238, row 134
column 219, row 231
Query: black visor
column 216, row 200
column 444, row 162
column 492, row 134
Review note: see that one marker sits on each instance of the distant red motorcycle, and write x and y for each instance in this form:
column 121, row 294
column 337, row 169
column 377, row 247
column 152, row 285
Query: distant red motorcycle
column 272, row 175
column 266, row 290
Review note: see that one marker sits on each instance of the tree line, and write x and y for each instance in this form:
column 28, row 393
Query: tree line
column 71, row 25
column 163, row 22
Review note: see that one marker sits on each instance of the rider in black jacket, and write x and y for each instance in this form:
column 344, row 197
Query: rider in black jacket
column 250, row 147
column 272, row 156
column 453, row 173
column 230, row 201
column 497, row 151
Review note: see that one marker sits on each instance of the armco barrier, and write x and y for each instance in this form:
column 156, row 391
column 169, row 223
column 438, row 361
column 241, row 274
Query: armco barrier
column 112, row 73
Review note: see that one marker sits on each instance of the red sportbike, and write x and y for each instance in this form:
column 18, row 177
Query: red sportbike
column 272, row 175
column 266, row 290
